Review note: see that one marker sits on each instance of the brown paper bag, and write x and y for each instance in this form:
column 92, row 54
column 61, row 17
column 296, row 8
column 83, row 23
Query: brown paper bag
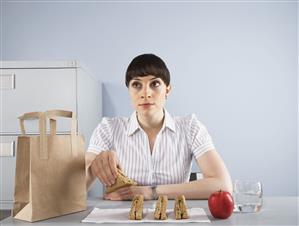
column 50, row 170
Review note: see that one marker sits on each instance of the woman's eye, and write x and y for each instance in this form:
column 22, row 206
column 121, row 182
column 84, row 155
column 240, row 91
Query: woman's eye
column 156, row 84
column 136, row 85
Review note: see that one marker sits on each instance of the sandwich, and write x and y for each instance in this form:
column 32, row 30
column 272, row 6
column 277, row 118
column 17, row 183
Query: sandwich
column 121, row 181
column 161, row 207
column 136, row 212
column 180, row 208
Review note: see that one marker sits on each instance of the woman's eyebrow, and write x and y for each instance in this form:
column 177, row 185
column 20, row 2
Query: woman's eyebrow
column 138, row 79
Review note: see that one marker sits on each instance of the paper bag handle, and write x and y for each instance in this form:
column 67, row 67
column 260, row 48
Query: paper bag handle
column 43, row 152
column 52, row 114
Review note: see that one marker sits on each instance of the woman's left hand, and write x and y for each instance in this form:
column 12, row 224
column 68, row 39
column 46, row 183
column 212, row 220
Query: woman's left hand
column 127, row 193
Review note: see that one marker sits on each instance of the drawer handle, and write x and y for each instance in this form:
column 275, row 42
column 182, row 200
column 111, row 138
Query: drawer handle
column 8, row 81
column 7, row 149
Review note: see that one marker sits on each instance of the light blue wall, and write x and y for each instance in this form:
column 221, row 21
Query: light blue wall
column 297, row 99
column 233, row 64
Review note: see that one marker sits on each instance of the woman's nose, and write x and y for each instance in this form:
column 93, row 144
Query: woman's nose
column 146, row 93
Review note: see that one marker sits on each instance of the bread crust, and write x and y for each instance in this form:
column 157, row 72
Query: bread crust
column 136, row 212
column 121, row 181
column 180, row 208
column 161, row 207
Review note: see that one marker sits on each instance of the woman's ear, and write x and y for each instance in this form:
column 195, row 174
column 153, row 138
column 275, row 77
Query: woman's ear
column 168, row 89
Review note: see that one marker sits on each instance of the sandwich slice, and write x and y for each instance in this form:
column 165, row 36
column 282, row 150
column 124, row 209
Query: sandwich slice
column 180, row 208
column 136, row 212
column 121, row 181
column 161, row 207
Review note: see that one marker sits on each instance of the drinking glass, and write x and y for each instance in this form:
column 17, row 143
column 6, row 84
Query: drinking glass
column 248, row 196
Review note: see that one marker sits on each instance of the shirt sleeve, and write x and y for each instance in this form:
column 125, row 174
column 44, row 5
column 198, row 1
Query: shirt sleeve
column 200, row 139
column 101, row 138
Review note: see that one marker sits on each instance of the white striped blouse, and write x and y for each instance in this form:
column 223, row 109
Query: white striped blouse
column 178, row 141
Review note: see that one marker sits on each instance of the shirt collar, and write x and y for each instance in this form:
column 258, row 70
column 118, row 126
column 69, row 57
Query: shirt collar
column 168, row 121
column 134, row 125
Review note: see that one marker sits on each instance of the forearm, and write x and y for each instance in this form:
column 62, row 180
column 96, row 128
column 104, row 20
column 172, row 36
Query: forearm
column 199, row 189
column 90, row 178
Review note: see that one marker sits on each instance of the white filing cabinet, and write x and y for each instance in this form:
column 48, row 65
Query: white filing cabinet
column 40, row 86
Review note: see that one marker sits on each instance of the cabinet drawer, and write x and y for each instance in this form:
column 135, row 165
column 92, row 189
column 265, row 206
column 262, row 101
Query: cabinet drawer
column 7, row 168
column 27, row 90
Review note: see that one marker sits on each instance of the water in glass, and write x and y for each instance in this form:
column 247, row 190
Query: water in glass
column 247, row 196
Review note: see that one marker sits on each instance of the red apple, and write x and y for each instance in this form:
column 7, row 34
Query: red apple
column 221, row 204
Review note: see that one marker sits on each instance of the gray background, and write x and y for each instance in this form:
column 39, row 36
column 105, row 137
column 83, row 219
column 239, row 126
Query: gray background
column 232, row 63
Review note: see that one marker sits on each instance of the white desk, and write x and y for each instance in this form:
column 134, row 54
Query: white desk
column 275, row 211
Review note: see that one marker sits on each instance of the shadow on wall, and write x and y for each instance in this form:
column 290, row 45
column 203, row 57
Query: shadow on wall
column 116, row 100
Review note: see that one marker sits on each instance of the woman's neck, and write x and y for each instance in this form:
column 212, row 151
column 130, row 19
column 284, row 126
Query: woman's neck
column 151, row 123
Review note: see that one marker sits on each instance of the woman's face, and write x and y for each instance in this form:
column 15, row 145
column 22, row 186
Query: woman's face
column 148, row 94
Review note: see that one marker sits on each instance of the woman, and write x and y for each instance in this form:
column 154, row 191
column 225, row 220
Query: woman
column 152, row 147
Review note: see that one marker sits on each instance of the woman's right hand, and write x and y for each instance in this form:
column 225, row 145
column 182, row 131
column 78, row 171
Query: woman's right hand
column 104, row 167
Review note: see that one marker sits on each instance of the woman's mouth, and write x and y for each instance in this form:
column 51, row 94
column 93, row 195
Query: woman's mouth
column 146, row 105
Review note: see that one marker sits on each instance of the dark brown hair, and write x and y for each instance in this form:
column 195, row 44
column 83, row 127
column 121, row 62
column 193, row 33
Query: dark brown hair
column 147, row 64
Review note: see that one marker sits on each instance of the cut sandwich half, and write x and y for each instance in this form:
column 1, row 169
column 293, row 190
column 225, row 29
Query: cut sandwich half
column 180, row 208
column 136, row 212
column 121, row 181
column 161, row 207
